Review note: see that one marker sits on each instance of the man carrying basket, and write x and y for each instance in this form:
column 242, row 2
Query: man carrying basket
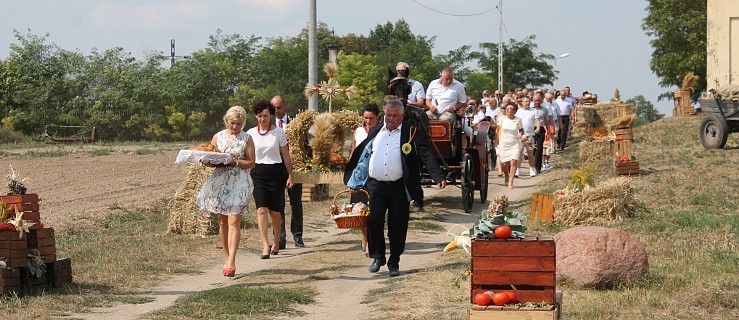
column 389, row 167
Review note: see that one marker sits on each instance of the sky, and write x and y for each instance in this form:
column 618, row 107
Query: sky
column 607, row 47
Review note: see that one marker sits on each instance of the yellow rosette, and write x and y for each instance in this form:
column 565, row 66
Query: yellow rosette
column 406, row 148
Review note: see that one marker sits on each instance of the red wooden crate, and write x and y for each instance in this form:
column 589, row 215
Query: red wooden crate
column 43, row 240
column 629, row 168
column 26, row 203
column 527, row 264
column 59, row 273
column 32, row 284
column 13, row 249
column 10, row 281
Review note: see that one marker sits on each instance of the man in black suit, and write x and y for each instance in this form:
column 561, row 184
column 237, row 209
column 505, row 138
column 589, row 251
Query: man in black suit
column 295, row 193
column 388, row 165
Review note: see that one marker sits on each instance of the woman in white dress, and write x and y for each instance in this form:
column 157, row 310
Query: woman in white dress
column 511, row 131
column 229, row 187
column 371, row 115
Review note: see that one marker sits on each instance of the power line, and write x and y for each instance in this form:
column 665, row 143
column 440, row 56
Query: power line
column 453, row 14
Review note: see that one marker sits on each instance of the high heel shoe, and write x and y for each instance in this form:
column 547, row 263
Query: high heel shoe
column 266, row 256
column 229, row 272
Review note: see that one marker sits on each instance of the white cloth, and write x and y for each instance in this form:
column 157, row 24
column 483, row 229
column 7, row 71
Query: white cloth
column 197, row 156
column 445, row 98
column 479, row 116
column 359, row 135
column 385, row 163
column 416, row 91
column 527, row 120
column 565, row 106
column 227, row 190
column 267, row 146
column 510, row 144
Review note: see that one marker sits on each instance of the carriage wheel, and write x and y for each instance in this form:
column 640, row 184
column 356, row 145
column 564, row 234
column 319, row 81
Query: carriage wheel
column 468, row 182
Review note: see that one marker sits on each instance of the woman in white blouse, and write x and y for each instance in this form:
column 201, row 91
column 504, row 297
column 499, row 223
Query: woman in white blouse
column 271, row 174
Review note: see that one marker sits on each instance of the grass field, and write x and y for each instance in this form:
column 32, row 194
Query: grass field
column 687, row 220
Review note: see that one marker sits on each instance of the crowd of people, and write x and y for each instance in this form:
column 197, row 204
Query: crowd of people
column 388, row 152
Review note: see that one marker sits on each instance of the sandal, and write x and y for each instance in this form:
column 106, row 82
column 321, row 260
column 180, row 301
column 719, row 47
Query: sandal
column 229, row 272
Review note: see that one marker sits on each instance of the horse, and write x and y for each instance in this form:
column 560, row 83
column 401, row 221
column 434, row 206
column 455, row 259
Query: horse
column 401, row 88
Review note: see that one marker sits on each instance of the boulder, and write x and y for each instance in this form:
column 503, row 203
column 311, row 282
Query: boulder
column 599, row 257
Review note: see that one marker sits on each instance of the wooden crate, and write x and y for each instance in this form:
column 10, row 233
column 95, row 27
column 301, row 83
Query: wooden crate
column 624, row 133
column 630, row 168
column 43, row 241
column 59, row 273
column 32, row 284
column 512, row 313
column 598, row 131
column 315, row 192
column 13, row 249
column 528, row 264
column 26, row 203
column 10, row 281
column 620, row 149
column 542, row 207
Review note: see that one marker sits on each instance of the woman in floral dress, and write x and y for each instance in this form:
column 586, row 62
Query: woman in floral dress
column 228, row 189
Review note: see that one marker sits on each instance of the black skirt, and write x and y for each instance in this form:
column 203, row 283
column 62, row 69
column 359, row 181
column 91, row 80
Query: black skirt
column 269, row 185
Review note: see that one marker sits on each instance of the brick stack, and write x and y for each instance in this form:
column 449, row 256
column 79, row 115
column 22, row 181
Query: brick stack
column 39, row 241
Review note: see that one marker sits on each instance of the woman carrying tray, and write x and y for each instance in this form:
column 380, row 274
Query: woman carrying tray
column 272, row 173
column 227, row 190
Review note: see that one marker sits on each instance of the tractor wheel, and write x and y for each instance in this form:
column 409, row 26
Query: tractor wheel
column 714, row 131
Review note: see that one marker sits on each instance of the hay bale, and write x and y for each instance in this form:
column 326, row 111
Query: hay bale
column 594, row 151
column 612, row 200
column 185, row 216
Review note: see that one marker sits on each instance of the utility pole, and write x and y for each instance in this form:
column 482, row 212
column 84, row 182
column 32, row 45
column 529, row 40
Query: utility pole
column 312, row 55
column 500, row 46
column 173, row 56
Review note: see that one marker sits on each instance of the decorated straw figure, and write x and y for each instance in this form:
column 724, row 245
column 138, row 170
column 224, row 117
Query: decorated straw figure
column 330, row 89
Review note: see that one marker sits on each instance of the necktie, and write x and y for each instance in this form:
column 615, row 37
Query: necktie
column 280, row 124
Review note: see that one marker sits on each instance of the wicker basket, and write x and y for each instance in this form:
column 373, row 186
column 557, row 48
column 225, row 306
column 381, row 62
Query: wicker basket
column 348, row 222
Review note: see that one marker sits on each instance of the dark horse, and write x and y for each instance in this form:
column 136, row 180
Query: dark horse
column 401, row 88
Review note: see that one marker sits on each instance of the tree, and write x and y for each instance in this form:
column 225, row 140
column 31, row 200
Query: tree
column 523, row 67
column 645, row 109
column 678, row 29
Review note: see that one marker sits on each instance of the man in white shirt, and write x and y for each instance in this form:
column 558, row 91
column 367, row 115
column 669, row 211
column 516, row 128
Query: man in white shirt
column 552, row 129
column 528, row 121
column 445, row 96
column 417, row 97
column 566, row 110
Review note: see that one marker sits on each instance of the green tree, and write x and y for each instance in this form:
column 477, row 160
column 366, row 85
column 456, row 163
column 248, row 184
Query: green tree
column 523, row 67
column 678, row 29
column 645, row 109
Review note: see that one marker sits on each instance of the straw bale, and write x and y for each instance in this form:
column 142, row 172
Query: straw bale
column 612, row 200
column 594, row 151
column 185, row 216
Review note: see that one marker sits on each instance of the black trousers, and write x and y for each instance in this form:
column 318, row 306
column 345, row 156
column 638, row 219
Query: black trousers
column 390, row 198
column 296, row 212
column 563, row 131
column 539, row 151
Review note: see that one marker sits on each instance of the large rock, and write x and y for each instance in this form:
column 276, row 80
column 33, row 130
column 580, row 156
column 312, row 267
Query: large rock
column 599, row 257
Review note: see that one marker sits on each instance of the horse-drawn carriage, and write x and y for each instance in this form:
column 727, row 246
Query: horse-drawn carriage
column 464, row 161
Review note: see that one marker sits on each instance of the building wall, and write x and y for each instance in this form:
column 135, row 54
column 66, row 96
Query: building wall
column 722, row 43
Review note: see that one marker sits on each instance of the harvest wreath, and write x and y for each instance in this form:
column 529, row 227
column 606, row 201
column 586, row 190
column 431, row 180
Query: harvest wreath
column 326, row 144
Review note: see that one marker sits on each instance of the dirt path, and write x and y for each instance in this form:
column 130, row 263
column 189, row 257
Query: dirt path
column 126, row 178
column 337, row 298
